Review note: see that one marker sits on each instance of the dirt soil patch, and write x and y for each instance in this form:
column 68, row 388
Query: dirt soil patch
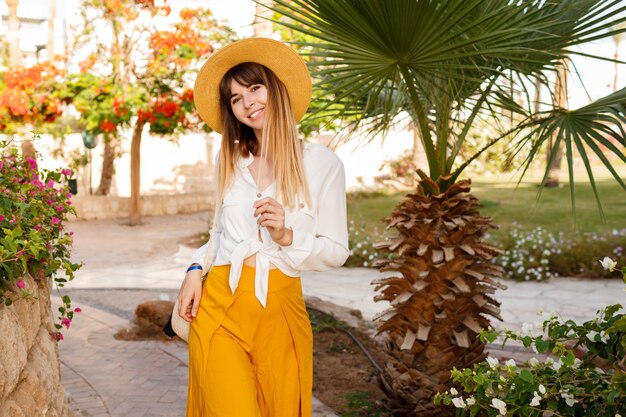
column 343, row 377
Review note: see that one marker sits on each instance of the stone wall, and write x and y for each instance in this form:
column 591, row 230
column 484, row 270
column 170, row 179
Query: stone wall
column 30, row 378
column 106, row 207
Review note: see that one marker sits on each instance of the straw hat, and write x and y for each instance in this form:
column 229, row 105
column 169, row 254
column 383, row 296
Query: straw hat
column 275, row 55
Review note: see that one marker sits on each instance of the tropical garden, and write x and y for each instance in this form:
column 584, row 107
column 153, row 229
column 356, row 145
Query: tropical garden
column 477, row 81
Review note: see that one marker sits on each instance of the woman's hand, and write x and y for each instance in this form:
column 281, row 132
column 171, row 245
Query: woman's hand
column 189, row 295
column 271, row 215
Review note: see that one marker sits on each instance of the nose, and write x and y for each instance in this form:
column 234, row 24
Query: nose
column 247, row 100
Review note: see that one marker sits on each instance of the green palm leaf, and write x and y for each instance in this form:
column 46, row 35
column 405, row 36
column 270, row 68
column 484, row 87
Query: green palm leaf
column 447, row 63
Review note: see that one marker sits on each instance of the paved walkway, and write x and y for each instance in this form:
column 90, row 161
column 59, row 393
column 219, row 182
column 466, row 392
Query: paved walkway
column 126, row 265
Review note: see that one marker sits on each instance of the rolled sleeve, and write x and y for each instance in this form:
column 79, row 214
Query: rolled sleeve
column 327, row 248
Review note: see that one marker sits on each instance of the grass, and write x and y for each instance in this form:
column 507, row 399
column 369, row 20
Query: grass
column 509, row 205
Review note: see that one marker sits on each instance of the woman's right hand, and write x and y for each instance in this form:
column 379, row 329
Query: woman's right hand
column 189, row 295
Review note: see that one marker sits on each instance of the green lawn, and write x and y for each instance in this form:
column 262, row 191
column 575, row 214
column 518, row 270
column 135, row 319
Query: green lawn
column 507, row 204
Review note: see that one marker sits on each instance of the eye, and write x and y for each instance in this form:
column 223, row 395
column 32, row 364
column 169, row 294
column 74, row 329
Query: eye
column 255, row 87
column 234, row 101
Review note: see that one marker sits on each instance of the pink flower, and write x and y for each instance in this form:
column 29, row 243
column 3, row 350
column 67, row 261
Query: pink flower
column 77, row 310
column 56, row 220
column 71, row 233
column 60, row 208
column 58, row 336
column 66, row 322
column 37, row 183
column 67, row 172
column 20, row 284
column 32, row 163
column 37, row 227
column 2, row 218
column 1, row 165
column 50, row 184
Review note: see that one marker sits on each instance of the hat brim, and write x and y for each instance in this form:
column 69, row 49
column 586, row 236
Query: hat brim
column 278, row 57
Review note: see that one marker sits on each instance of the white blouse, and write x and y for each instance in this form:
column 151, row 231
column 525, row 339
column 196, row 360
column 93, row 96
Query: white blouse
column 320, row 232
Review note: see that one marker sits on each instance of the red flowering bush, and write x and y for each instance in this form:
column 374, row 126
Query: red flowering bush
column 34, row 205
column 169, row 113
column 29, row 96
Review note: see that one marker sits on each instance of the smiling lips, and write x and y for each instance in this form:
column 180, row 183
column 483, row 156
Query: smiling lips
column 255, row 114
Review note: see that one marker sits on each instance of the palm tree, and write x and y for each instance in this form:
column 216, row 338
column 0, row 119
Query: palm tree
column 15, row 53
column 447, row 64
column 617, row 39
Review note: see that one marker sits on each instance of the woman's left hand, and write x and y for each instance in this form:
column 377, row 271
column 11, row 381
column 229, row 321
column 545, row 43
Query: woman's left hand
column 271, row 215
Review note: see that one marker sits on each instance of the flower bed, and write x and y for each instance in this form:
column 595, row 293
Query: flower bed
column 535, row 254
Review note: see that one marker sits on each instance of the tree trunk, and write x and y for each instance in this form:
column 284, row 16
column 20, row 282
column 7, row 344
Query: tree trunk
column 135, row 170
column 616, row 57
column 50, row 43
column 262, row 25
column 418, row 154
column 560, row 100
column 28, row 149
column 108, row 167
column 15, row 54
column 537, row 100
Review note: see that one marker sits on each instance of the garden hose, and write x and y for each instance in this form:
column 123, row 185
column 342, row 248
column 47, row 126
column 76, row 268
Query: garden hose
column 354, row 338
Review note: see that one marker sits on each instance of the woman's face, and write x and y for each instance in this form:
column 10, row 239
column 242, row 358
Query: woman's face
column 248, row 104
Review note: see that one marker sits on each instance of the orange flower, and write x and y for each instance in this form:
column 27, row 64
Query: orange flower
column 187, row 14
column 107, row 126
column 16, row 100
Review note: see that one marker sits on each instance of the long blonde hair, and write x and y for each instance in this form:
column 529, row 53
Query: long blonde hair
column 280, row 136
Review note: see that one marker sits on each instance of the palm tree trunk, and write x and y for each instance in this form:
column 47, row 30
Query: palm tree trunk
column 560, row 100
column 108, row 168
column 262, row 25
column 50, row 43
column 418, row 154
column 15, row 54
column 616, row 57
column 135, row 170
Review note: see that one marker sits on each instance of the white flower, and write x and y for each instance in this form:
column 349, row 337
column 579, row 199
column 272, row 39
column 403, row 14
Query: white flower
column 458, row 402
column 549, row 361
column 569, row 398
column 618, row 415
column 592, row 335
column 542, row 389
column 536, row 399
column 533, row 362
column 453, row 391
column 608, row 263
column 527, row 329
column 557, row 365
column 511, row 363
column 499, row 405
column 604, row 338
column 548, row 316
column 577, row 363
column 493, row 362
column 470, row 401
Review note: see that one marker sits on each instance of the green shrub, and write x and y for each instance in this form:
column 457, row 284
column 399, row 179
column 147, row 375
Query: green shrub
column 34, row 205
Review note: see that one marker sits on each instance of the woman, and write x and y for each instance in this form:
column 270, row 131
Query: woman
column 282, row 211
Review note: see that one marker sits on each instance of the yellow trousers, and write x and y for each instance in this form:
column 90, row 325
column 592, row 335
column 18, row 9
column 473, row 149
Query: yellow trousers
column 246, row 360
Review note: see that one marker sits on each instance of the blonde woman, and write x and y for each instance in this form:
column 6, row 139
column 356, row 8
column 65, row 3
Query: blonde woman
column 282, row 211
